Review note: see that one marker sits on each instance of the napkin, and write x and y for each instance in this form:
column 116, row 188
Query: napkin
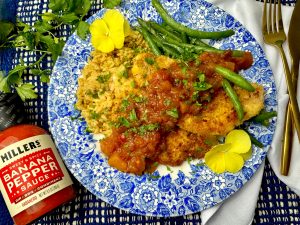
column 239, row 209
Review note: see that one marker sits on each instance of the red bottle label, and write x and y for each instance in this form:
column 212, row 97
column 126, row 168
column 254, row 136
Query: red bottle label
column 31, row 170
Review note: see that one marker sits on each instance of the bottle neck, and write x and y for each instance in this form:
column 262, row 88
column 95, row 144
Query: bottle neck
column 11, row 110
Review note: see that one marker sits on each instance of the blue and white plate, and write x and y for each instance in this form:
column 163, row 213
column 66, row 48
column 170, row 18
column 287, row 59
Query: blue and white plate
column 183, row 190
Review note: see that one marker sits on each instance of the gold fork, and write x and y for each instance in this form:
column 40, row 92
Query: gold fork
column 273, row 33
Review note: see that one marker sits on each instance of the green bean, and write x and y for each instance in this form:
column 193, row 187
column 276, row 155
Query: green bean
column 184, row 37
column 254, row 140
column 234, row 98
column 199, row 43
column 234, row 78
column 152, row 45
column 190, row 32
column 164, row 31
column 178, row 48
column 167, row 49
column 263, row 117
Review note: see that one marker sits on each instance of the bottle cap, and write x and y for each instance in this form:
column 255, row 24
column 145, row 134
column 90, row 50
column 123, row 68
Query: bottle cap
column 11, row 110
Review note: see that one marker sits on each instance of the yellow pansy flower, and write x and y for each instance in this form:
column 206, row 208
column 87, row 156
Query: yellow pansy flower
column 230, row 156
column 109, row 32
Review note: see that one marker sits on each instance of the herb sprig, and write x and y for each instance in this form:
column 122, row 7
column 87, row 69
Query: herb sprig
column 42, row 39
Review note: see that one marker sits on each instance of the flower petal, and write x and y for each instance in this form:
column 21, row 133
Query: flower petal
column 215, row 158
column 233, row 162
column 247, row 155
column 103, row 44
column 118, row 38
column 99, row 27
column 240, row 141
column 114, row 20
column 127, row 28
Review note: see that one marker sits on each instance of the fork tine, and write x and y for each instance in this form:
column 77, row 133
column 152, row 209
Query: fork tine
column 274, row 22
column 271, row 20
column 265, row 25
column 280, row 23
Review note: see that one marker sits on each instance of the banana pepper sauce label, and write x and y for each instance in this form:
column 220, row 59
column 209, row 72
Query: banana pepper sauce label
column 30, row 171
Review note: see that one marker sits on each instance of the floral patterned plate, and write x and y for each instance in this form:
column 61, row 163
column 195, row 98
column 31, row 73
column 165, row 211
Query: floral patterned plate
column 183, row 190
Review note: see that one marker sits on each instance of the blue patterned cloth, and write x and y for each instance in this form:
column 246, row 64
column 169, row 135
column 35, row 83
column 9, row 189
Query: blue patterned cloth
column 276, row 205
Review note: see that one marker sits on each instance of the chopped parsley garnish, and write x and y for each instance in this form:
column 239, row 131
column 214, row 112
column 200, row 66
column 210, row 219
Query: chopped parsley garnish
column 139, row 99
column 167, row 102
column 177, row 81
column 93, row 94
column 149, row 60
column 198, row 104
column 94, row 115
column 124, row 122
column 169, row 169
column 173, row 113
column 199, row 149
column 132, row 115
column 208, row 142
column 132, row 84
column 124, row 74
column 184, row 69
column 201, row 86
column 102, row 78
column 125, row 103
column 148, row 127
column 185, row 82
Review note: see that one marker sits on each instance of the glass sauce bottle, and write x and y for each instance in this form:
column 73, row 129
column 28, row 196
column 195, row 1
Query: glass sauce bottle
column 33, row 178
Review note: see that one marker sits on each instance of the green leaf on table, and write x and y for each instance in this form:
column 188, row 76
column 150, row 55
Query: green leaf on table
column 82, row 29
column 29, row 40
column 6, row 29
column 69, row 18
column 56, row 49
column 4, row 87
column 45, row 78
column 25, row 91
column 23, row 26
column 42, row 26
column 47, row 39
column 18, row 69
column 111, row 3
column 86, row 5
column 35, row 72
column 48, row 16
column 57, row 5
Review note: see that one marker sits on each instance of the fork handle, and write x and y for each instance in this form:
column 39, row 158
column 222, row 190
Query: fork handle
column 287, row 142
column 291, row 91
column 288, row 128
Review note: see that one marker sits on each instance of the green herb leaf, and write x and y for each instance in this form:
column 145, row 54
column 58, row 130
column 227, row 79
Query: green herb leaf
column 149, row 60
column 123, row 121
column 111, row 3
column 47, row 17
column 6, row 29
column 102, row 78
column 69, row 18
column 4, row 87
column 173, row 113
column 25, row 91
column 82, row 29
column 57, row 5
column 42, row 26
column 132, row 115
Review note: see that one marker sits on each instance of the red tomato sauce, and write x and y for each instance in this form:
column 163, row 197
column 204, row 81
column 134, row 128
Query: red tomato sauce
column 183, row 88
